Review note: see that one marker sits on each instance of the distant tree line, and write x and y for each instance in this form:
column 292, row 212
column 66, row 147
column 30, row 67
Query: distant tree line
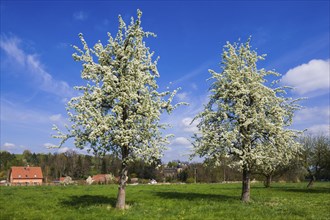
column 58, row 165
column 313, row 163
column 77, row 166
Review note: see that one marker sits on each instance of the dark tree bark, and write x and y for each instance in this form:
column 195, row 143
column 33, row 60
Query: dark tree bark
column 246, row 185
column 268, row 181
column 311, row 182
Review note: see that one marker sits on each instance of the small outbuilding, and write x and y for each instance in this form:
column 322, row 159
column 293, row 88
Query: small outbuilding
column 104, row 179
column 25, row 176
column 99, row 178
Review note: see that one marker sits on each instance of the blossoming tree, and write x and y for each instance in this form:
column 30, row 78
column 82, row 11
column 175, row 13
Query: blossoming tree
column 275, row 156
column 119, row 109
column 244, row 119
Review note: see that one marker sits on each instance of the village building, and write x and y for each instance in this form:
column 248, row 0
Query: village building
column 59, row 181
column 99, row 178
column 104, row 179
column 171, row 172
column 25, row 176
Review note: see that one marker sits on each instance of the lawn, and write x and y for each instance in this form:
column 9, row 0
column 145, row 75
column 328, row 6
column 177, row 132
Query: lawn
column 186, row 201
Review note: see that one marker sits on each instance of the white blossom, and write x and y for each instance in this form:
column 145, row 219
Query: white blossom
column 120, row 106
column 245, row 119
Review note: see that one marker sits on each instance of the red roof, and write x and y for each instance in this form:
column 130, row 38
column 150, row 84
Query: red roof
column 26, row 173
column 99, row 177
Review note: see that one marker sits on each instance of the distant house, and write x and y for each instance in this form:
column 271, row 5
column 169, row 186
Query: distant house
column 63, row 180
column 25, row 176
column 170, row 172
column 104, row 178
column 59, row 181
column 99, row 178
column 173, row 172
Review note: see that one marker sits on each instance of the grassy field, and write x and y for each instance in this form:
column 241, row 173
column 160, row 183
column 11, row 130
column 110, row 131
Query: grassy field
column 186, row 201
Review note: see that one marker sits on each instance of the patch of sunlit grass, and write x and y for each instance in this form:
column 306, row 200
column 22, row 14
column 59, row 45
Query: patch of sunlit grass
column 187, row 201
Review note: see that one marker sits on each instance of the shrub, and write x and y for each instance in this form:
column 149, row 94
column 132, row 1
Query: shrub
column 190, row 180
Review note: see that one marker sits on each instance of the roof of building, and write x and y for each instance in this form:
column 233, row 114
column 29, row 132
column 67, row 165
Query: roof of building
column 99, row 177
column 26, row 172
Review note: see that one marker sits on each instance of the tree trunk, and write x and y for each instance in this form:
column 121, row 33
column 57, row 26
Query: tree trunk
column 268, row 181
column 311, row 182
column 121, row 197
column 224, row 173
column 195, row 175
column 246, row 185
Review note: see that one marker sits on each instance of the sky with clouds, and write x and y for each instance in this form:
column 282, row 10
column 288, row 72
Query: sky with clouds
column 38, row 72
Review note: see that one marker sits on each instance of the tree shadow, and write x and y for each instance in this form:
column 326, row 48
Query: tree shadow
column 305, row 190
column 88, row 200
column 195, row 196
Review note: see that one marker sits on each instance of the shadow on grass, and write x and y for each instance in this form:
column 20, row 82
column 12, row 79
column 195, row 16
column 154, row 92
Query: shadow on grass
column 304, row 190
column 88, row 200
column 195, row 196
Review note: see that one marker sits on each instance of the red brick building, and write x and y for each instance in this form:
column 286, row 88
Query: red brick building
column 25, row 176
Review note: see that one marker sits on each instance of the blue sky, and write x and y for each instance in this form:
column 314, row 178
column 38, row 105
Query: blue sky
column 38, row 72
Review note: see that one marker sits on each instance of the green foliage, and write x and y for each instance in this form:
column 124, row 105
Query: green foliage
column 316, row 155
column 173, row 164
column 144, row 181
column 143, row 170
column 187, row 201
column 7, row 160
column 183, row 175
column 190, row 180
column 55, row 165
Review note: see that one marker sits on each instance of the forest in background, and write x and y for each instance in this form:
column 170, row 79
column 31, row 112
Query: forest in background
column 312, row 163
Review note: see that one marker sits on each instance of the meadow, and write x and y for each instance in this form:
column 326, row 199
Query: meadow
column 185, row 201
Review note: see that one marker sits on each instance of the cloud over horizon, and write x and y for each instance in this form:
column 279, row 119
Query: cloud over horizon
column 315, row 119
column 309, row 77
column 12, row 148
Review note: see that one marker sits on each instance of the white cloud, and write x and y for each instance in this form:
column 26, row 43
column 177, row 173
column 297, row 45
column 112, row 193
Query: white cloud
column 13, row 148
column 80, row 16
column 181, row 141
column 49, row 145
column 319, row 129
column 315, row 119
column 56, row 117
column 9, row 145
column 11, row 112
column 10, row 46
column 311, row 77
column 31, row 62
column 313, row 115
column 63, row 150
column 188, row 126
column 16, row 114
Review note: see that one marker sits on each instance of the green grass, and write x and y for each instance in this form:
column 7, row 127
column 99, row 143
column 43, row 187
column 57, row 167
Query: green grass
column 187, row 201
